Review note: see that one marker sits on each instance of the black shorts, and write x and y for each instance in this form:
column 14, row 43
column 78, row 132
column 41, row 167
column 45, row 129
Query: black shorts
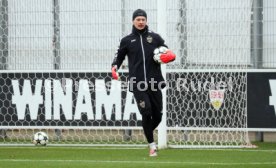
column 149, row 102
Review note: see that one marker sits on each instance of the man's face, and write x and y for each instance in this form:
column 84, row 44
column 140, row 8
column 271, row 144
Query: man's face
column 140, row 22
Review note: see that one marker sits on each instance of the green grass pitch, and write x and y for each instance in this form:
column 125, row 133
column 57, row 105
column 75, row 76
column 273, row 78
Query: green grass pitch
column 114, row 157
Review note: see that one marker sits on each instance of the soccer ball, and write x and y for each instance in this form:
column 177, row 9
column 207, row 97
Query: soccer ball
column 40, row 138
column 163, row 55
column 160, row 50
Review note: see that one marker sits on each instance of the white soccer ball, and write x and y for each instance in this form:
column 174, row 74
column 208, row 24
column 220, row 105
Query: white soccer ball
column 40, row 138
column 157, row 53
column 160, row 50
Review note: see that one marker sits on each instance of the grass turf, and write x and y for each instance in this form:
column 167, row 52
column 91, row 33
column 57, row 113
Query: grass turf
column 75, row 157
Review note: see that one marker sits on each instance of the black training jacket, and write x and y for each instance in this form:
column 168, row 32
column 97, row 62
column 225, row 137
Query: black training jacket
column 139, row 47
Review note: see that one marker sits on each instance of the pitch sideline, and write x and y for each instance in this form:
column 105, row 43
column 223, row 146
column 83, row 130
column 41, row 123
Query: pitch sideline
column 138, row 162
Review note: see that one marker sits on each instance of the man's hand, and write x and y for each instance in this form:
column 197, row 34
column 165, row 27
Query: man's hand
column 163, row 55
column 115, row 74
column 167, row 57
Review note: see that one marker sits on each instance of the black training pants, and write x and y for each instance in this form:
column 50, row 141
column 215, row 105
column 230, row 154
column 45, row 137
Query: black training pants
column 150, row 105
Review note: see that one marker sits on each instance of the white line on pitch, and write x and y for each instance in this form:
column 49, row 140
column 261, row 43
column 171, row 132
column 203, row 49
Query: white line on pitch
column 87, row 148
column 239, row 150
column 138, row 162
column 140, row 148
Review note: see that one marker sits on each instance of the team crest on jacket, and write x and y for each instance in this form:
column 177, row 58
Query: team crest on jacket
column 149, row 39
column 142, row 104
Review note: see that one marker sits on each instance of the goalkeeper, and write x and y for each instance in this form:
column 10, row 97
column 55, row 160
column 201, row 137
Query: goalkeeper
column 145, row 77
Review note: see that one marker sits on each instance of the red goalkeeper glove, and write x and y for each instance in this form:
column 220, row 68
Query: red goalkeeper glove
column 167, row 57
column 115, row 74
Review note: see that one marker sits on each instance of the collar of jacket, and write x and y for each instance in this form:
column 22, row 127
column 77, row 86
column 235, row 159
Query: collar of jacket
column 140, row 32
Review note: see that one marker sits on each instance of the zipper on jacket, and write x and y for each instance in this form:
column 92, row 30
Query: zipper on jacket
column 144, row 58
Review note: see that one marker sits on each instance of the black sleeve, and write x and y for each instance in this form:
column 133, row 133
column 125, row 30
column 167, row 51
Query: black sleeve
column 161, row 42
column 120, row 54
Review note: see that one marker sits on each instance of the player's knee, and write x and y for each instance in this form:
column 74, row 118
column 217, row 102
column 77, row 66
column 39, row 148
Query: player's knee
column 146, row 120
column 158, row 117
column 145, row 110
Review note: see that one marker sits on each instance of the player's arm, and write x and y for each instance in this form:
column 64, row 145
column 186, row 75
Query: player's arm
column 161, row 41
column 118, row 59
column 163, row 54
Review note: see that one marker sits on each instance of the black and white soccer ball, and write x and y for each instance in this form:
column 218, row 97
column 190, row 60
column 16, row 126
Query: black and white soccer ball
column 157, row 53
column 160, row 50
column 40, row 138
column 163, row 55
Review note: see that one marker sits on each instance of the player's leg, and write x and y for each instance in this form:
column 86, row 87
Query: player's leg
column 156, row 107
column 147, row 123
column 156, row 111
column 144, row 106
